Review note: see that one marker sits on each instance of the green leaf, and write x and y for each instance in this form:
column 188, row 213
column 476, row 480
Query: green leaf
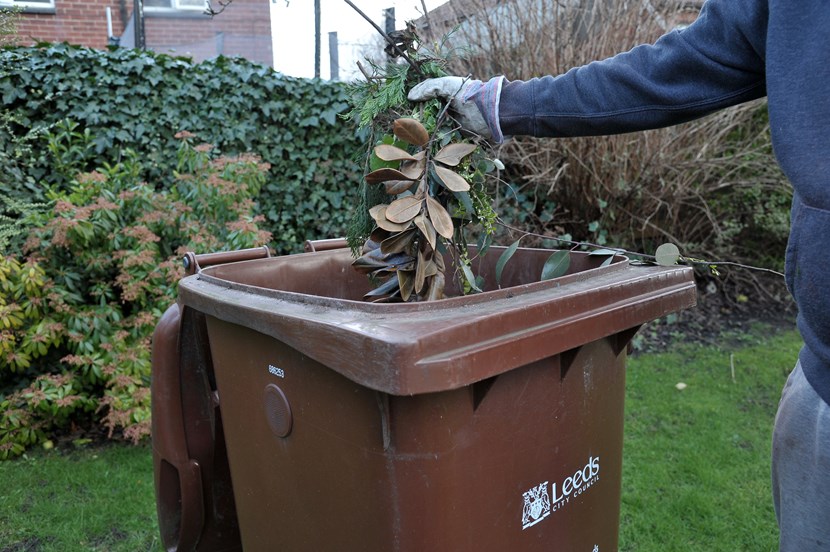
column 485, row 240
column 470, row 277
column 557, row 265
column 667, row 254
column 505, row 256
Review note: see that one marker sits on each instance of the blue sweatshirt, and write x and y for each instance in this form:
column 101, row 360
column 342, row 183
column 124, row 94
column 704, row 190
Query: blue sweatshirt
column 737, row 50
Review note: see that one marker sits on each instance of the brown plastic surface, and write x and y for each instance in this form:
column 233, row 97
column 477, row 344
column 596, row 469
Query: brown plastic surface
column 194, row 497
column 311, row 302
column 490, row 422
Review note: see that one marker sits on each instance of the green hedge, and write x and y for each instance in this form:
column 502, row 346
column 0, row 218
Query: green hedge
column 139, row 100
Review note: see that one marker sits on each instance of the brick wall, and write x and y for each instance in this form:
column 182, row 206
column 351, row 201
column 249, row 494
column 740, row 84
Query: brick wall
column 243, row 29
column 76, row 21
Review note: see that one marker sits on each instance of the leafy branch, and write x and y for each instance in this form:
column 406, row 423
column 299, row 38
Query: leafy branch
column 665, row 255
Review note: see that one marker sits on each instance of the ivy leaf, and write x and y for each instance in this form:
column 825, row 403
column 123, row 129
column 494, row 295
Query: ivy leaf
column 452, row 154
column 667, row 254
column 410, row 131
column 505, row 256
column 556, row 265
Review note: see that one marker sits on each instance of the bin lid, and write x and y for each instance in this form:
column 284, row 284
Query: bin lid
column 311, row 302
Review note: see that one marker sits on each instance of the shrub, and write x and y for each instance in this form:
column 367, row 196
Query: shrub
column 78, row 310
column 132, row 99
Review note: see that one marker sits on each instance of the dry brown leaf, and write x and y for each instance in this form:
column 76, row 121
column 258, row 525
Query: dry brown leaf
column 420, row 272
column 413, row 169
column 427, row 229
column 384, row 175
column 387, row 152
column 406, row 281
column 395, row 187
column 436, row 287
column 440, row 218
column 405, row 209
column 397, row 243
column 452, row 154
column 378, row 212
column 410, row 131
column 451, row 179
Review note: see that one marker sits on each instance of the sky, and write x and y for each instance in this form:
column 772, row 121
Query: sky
column 292, row 25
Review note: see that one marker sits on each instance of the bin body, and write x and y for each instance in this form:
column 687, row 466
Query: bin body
column 490, row 422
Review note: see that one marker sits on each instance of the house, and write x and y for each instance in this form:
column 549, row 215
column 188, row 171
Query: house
column 175, row 27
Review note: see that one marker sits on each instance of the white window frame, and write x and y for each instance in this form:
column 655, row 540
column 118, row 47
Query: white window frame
column 177, row 5
column 48, row 4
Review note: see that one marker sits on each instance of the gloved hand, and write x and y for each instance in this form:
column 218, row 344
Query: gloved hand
column 474, row 103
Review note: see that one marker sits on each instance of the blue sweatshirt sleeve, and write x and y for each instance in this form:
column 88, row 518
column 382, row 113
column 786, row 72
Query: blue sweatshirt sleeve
column 716, row 62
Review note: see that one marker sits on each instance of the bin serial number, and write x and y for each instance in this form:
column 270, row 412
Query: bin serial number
column 279, row 372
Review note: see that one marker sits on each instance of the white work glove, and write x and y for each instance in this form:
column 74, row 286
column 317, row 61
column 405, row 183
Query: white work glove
column 466, row 96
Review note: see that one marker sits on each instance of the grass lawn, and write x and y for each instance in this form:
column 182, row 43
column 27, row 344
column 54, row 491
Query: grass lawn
column 696, row 463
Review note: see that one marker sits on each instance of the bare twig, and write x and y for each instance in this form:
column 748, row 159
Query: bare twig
column 385, row 36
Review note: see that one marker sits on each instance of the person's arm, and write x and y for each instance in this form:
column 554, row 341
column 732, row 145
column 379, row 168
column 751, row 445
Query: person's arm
column 716, row 62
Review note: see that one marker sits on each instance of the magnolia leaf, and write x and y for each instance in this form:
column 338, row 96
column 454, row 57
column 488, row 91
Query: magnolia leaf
column 470, row 277
column 389, row 287
column 406, row 281
column 427, row 229
column 420, row 272
column 413, row 169
column 369, row 262
column 405, row 209
column 378, row 212
column 438, row 259
column 395, row 187
column 373, row 242
column 436, row 287
column 398, row 243
column 556, row 265
column 431, row 269
column 440, row 218
column 400, row 261
column 451, row 179
column 384, row 175
column 505, row 256
column 667, row 254
column 452, row 154
column 392, row 226
column 392, row 153
column 410, row 131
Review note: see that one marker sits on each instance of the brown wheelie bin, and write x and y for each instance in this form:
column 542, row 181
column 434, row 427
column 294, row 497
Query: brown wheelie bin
column 308, row 420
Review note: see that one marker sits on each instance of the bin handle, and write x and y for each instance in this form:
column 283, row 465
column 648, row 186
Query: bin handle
column 324, row 245
column 194, row 263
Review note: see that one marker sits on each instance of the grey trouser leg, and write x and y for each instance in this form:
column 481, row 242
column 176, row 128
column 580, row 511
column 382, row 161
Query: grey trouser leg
column 801, row 467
